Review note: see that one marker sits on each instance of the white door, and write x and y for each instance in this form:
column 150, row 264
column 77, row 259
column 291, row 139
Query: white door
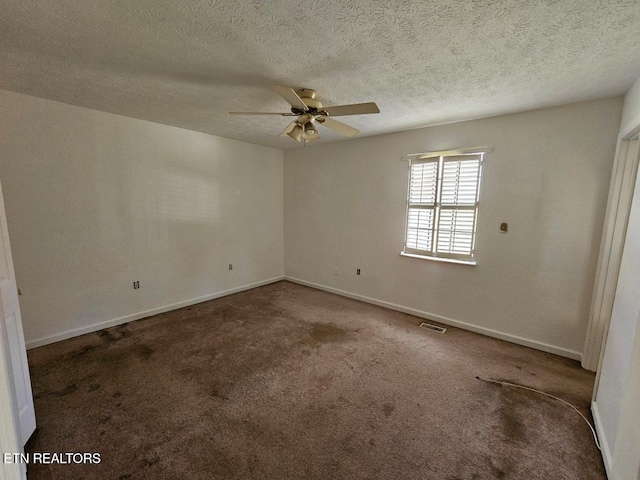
column 12, row 336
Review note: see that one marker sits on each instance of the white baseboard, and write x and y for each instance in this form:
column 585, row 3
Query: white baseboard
column 74, row 332
column 604, row 444
column 545, row 347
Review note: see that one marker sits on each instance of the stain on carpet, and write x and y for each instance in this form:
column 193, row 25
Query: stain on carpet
column 513, row 428
column 388, row 409
column 323, row 333
column 496, row 471
column 142, row 351
column 68, row 390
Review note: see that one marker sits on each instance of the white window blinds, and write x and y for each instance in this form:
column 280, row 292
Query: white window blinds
column 423, row 192
column 442, row 206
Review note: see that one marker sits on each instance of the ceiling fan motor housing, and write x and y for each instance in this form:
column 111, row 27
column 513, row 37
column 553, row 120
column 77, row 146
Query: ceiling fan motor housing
column 308, row 97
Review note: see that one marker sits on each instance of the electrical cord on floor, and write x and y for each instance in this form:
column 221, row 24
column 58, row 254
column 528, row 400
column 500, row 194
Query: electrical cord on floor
column 593, row 431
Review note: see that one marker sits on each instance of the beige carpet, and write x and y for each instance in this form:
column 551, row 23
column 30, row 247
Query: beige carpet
column 288, row 382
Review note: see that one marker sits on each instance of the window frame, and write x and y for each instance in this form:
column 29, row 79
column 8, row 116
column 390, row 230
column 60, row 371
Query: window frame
column 437, row 206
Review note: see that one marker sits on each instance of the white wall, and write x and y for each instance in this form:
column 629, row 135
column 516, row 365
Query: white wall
column 95, row 201
column 617, row 399
column 547, row 177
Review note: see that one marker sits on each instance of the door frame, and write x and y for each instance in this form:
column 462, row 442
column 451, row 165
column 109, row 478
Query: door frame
column 623, row 178
column 10, row 441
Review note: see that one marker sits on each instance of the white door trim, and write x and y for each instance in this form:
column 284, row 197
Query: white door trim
column 13, row 335
column 621, row 189
column 10, row 439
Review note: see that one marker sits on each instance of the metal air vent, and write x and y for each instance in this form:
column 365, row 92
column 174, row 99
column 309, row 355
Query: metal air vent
column 435, row 328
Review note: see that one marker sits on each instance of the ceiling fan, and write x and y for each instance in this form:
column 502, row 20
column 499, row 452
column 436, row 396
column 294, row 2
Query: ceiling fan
column 311, row 112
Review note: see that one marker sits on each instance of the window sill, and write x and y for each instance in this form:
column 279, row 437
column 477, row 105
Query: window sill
column 439, row 259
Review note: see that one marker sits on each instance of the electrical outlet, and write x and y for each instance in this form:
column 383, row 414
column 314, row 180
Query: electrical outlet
column 336, row 271
column 357, row 271
column 231, row 266
column 136, row 285
column 504, row 227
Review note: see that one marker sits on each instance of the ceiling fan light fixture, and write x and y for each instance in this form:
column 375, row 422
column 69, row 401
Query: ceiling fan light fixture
column 296, row 133
column 310, row 133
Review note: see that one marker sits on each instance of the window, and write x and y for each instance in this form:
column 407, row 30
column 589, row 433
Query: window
column 442, row 206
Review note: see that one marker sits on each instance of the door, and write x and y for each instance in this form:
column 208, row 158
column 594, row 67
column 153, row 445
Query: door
column 12, row 336
column 623, row 179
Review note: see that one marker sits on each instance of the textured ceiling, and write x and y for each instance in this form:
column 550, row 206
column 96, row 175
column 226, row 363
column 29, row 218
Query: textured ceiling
column 186, row 63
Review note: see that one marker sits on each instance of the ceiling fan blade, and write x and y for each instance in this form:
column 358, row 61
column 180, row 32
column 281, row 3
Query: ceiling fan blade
column 290, row 95
column 353, row 109
column 286, row 131
column 336, row 126
column 264, row 113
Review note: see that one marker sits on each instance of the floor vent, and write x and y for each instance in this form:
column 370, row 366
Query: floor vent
column 435, row 328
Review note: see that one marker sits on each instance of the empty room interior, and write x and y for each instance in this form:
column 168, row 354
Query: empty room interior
column 320, row 239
